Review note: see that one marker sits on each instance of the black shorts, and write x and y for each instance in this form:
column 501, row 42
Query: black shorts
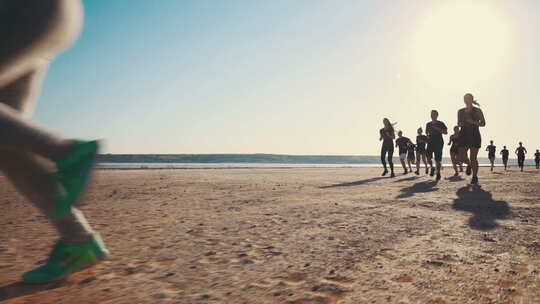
column 454, row 149
column 435, row 149
column 470, row 138
column 521, row 160
column 421, row 149
column 505, row 160
column 491, row 156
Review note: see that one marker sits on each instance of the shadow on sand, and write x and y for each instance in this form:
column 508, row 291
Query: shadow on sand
column 455, row 178
column 21, row 289
column 357, row 183
column 407, row 179
column 485, row 211
column 420, row 187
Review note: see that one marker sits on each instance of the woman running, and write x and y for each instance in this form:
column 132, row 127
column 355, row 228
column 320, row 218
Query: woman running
column 32, row 33
column 454, row 151
column 421, row 141
column 470, row 119
column 491, row 153
column 505, row 153
column 537, row 159
column 521, row 151
column 387, row 136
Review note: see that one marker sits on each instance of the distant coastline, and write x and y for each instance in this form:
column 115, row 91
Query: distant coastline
column 250, row 160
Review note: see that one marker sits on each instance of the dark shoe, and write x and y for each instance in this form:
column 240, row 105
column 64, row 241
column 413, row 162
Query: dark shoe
column 469, row 170
column 427, row 171
column 438, row 176
column 384, row 172
column 474, row 180
column 432, row 173
column 456, row 174
column 417, row 172
column 392, row 174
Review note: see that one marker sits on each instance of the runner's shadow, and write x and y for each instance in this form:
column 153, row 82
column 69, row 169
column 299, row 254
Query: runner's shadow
column 420, row 187
column 407, row 179
column 485, row 211
column 357, row 183
column 21, row 289
column 455, row 178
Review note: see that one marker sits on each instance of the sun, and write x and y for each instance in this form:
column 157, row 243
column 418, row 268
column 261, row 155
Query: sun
column 459, row 45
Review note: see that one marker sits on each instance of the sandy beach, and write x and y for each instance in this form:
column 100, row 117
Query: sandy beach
column 290, row 236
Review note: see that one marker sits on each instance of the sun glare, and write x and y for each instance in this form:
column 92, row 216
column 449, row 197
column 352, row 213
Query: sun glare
column 460, row 44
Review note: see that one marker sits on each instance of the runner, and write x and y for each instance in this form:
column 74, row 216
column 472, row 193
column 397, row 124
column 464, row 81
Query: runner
column 470, row 119
column 387, row 137
column 491, row 154
column 505, row 153
column 32, row 33
column 435, row 130
column 454, row 151
column 410, row 155
column 537, row 159
column 521, row 151
column 402, row 143
column 421, row 141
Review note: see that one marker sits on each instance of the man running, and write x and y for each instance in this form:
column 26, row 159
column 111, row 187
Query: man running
column 402, row 143
column 491, row 153
column 421, row 141
column 505, row 153
column 537, row 159
column 410, row 155
column 435, row 130
column 521, row 151
column 32, row 33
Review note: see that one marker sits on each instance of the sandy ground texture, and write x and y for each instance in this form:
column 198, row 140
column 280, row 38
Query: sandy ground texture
column 289, row 236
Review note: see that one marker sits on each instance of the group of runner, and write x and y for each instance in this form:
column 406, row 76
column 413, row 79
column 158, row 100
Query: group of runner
column 465, row 143
column 521, row 151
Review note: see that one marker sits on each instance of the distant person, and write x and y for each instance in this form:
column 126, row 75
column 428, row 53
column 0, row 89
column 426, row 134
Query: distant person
column 491, row 153
column 537, row 159
column 454, row 151
column 521, row 151
column 421, row 141
column 435, row 130
column 470, row 119
column 33, row 32
column 505, row 153
column 387, row 136
column 410, row 155
column 402, row 143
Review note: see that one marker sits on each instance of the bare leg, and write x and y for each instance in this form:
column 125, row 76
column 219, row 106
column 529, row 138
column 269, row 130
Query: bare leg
column 454, row 162
column 18, row 133
column 425, row 161
column 474, row 161
column 33, row 179
column 30, row 175
column 403, row 164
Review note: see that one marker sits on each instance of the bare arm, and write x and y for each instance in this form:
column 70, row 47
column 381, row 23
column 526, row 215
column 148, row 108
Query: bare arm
column 482, row 120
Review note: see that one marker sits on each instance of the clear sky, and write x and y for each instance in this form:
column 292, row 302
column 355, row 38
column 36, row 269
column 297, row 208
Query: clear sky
column 292, row 76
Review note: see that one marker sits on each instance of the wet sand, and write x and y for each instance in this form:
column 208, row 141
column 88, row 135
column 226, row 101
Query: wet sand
column 290, row 236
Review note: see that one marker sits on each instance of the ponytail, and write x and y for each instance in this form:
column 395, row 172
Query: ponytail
column 476, row 103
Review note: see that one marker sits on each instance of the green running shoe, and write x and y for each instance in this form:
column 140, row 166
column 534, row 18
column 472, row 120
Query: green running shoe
column 73, row 173
column 66, row 259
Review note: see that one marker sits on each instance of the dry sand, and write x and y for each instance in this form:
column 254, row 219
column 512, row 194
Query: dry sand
column 290, row 236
